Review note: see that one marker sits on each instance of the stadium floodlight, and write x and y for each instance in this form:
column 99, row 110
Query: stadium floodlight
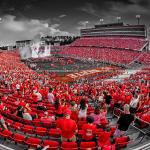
column 86, row 22
column 118, row 19
column 101, row 20
column 138, row 18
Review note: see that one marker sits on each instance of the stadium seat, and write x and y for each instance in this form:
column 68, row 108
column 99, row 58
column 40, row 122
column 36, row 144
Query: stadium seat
column 88, row 145
column 104, row 138
column 54, row 133
column 9, row 122
column 109, row 147
column 69, row 145
column 5, row 133
column 28, row 129
column 33, row 142
column 40, row 131
column 37, row 123
column 122, row 142
column 46, row 124
column 53, row 145
column 18, row 138
column 17, row 126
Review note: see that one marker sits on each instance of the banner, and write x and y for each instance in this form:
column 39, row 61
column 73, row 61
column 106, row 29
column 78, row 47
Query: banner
column 84, row 74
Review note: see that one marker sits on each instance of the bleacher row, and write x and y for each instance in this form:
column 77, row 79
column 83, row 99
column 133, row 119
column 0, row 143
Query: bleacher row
column 128, row 43
column 106, row 54
column 35, row 133
column 116, row 50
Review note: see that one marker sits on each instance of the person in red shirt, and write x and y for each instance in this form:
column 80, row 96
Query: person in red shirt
column 58, row 108
column 46, row 118
column 74, row 111
column 68, row 127
column 89, row 129
column 2, row 107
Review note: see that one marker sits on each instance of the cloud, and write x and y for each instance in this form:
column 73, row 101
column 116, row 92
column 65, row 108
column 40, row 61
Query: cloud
column 62, row 16
column 12, row 30
column 88, row 8
column 56, row 25
column 110, row 9
column 134, row 8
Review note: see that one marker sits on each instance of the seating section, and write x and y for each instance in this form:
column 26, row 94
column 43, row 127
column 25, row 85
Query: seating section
column 118, row 50
column 36, row 132
column 111, row 42
column 101, row 54
column 145, row 58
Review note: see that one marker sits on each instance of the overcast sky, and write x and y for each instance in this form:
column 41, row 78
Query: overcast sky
column 23, row 19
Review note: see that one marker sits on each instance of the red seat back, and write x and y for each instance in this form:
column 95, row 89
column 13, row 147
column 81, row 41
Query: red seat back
column 86, row 145
column 69, row 145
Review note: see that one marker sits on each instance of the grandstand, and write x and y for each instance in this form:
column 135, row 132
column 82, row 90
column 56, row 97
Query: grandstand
column 111, row 43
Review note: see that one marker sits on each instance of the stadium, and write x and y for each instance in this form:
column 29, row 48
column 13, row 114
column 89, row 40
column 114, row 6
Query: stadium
column 85, row 92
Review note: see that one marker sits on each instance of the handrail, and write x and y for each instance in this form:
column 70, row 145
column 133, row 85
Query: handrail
column 135, row 116
column 143, row 147
column 3, row 147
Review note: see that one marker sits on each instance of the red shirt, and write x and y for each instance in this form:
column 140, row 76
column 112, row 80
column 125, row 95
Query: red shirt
column 2, row 106
column 59, row 110
column 68, row 127
column 22, row 103
column 88, row 131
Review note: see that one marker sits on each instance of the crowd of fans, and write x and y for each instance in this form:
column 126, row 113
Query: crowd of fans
column 111, row 42
column 101, row 54
column 113, row 50
column 79, row 111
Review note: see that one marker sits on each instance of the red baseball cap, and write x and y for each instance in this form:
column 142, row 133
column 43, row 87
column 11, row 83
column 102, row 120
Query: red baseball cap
column 67, row 112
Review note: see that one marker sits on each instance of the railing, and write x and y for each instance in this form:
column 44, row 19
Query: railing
column 144, row 46
column 143, row 147
column 145, row 131
column 2, row 147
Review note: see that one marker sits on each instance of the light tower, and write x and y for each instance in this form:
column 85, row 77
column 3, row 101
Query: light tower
column 101, row 20
column 86, row 22
column 118, row 19
column 138, row 17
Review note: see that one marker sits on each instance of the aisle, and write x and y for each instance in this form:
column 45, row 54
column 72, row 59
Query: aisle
column 126, row 74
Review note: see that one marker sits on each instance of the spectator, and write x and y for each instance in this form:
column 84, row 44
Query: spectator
column 51, row 96
column 39, row 96
column 47, row 118
column 2, row 106
column 82, row 109
column 74, row 111
column 58, row 108
column 89, row 130
column 20, row 111
column 2, row 122
column 96, row 116
column 124, row 122
column 26, row 115
column 102, row 115
column 134, row 103
column 107, row 98
column 68, row 128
